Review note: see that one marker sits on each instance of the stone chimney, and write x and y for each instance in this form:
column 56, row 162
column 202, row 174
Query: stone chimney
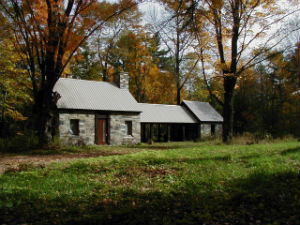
column 124, row 80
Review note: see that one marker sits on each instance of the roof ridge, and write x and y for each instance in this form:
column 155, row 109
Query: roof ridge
column 83, row 80
column 194, row 101
column 157, row 104
column 92, row 81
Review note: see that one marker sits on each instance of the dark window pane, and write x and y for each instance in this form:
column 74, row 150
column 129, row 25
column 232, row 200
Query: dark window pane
column 213, row 129
column 128, row 127
column 74, row 127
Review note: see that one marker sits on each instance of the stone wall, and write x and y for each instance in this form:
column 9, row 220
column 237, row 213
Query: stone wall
column 124, row 80
column 118, row 134
column 205, row 130
column 86, row 128
column 218, row 130
column 117, row 128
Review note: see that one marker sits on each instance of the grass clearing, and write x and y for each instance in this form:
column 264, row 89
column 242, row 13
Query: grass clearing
column 174, row 183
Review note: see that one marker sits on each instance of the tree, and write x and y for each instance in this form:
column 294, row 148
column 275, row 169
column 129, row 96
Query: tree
column 14, row 85
column 174, row 33
column 264, row 101
column 237, row 26
column 105, row 39
column 48, row 33
column 85, row 64
column 290, row 32
column 160, row 56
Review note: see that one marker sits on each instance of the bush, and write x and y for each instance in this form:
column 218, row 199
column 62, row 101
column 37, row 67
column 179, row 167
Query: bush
column 19, row 143
column 245, row 139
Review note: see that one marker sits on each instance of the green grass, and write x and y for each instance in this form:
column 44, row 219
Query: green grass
column 175, row 183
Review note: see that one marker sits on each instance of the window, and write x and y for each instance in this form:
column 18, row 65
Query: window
column 128, row 127
column 74, row 127
column 213, row 129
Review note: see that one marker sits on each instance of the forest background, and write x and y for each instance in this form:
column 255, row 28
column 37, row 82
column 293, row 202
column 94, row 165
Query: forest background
column 241, row 56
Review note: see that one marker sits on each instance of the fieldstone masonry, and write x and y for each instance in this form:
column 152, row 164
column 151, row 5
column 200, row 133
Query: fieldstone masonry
column 124, row 80
column 118, row 134
column 218, row 130
column 206, row 130
column 86, row 128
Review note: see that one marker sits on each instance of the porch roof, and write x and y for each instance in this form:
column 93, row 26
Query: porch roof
column 160, row 113
column 203, row 111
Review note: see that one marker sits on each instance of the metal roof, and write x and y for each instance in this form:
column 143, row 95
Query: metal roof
column 160, row 113
column 203, row 111
column 93, row 95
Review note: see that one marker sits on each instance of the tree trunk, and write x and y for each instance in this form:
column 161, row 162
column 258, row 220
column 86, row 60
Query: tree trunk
column 44, row 108
column 177, row 69
column 178, row 98
column 44, row 129
column 105, row 77
column 229, row 83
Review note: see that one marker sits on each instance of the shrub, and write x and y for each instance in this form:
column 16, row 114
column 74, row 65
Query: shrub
column 245, row 139
column 19, row 143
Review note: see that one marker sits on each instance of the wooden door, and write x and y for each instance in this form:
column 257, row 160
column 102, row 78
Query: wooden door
column 101, row 131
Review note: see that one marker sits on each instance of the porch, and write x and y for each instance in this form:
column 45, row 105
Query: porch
column 165, row 132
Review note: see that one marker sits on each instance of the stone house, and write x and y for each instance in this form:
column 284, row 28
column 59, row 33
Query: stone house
column 93, row 112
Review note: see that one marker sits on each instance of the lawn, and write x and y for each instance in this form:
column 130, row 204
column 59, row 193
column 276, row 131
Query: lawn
column 175, row 183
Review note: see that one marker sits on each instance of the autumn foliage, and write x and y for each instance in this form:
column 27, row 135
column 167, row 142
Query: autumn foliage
column 216, row 51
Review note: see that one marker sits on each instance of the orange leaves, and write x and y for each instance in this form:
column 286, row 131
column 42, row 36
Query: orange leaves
column 14, row 83
column 137, row 50
column 217, row 4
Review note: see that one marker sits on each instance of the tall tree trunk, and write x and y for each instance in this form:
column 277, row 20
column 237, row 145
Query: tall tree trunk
column 44, row 108
column 178, row 96
column 43, row 115
column 177, row 67
column 229, row 83
column 105, row 77
column 297, row 55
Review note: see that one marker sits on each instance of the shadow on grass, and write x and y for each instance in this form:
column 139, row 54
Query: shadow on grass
column 158, row 147
column 262, row 198
column 290, row 150
column 167, row 145
column 194, row 160
column 251, row 156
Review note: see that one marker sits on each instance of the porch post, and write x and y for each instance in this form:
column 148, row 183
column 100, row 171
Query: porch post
column 199, row 131
column 183, row 132
column 159, row 134
column 143, row 132
column 169, row 133
column 151, row 133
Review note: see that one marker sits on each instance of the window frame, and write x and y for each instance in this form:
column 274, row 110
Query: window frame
column 213, row 129
column 76, row 123
column 128, row 126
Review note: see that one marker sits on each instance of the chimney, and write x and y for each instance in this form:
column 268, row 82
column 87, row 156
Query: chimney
column 124, row 80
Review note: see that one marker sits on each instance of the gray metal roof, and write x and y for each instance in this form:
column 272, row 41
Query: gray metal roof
column 203, row 111
column 93, row 95
column 160, row 113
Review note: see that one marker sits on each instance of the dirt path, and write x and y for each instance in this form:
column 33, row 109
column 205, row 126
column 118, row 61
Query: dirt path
column 10, row 162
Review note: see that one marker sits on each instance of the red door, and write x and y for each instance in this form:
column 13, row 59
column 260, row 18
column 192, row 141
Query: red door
column 101, row 132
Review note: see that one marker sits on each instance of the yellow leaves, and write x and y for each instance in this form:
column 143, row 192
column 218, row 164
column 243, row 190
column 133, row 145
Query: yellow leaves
column 148, row 83
column 259, row 14
column 160, row 87
column 14, row 114
column 224, row 66
column 14, row 83
column 217, row 4
column 102, row 10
